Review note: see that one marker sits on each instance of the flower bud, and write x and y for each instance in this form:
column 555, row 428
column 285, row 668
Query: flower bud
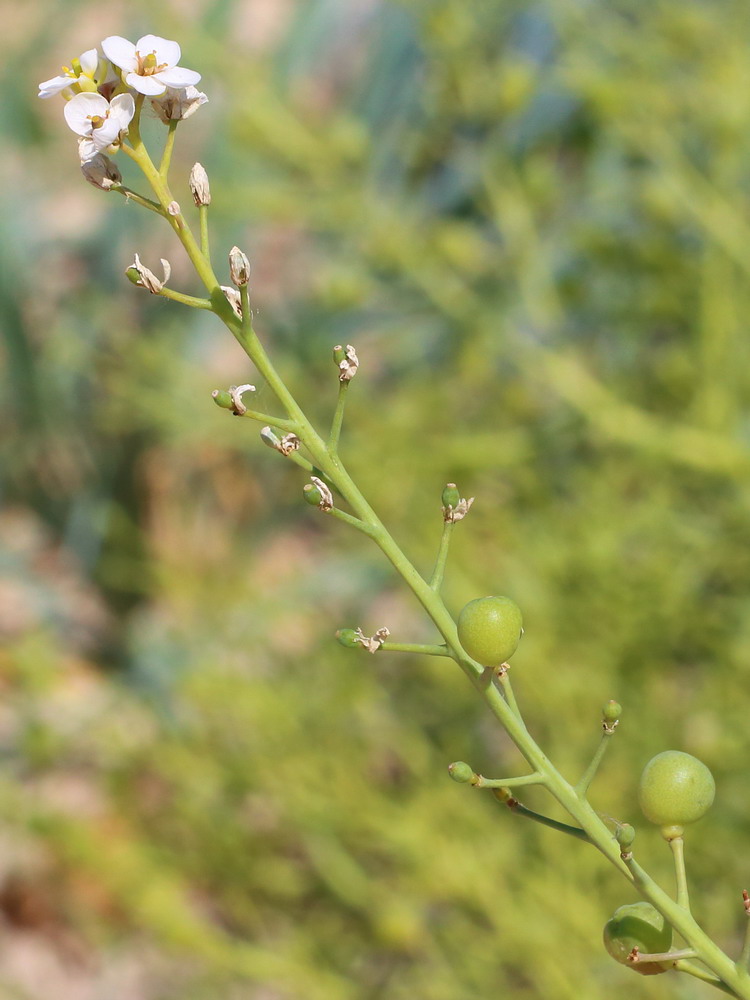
column 348, row 638
column 101, row 172
column 223, row 398
column 460, row 771
column 625, row 835
column 312, row 495
column 611, row 711
column 239, row 267
column 199, row 186
column 451, row 496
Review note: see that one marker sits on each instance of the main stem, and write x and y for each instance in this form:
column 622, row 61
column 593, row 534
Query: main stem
column 482, row 679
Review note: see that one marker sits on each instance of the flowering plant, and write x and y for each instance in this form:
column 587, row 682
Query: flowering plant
column 105, row 96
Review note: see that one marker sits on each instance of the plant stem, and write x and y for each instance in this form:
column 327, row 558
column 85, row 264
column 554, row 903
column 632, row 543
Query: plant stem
column 588, row 775
column 338, row 418
column 677, row 846
column 415, row 647
column 436, row 580
column 590, row 826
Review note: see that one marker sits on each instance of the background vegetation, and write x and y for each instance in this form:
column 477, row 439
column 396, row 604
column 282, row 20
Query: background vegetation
column 531, row 218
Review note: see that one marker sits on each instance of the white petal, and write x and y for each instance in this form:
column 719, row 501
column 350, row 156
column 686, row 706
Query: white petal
column 120, row 51
column 177, row 77
column 106, row 134
column 89, row 60
column 121, row 110
column 145, row 84
column 54, row 86
column 165, row 51
column 79, row 108
column 87, row 150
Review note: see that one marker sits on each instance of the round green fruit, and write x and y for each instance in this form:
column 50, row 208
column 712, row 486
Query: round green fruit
column 675, row 789
column 638, row 925
column 489, row 629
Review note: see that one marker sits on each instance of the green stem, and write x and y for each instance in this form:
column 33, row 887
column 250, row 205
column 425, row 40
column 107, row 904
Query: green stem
column 416, row 647
column 520, row 810
column 129, row 195
column 525, row 779
column 203, row 222
column 354, row 522
column 338, row 418
column 682, row 965
column 166, row 156
column 436, row 580
column 588, row 775
column 186, row 300
column 591, row 828
column 677, row 846
column 503, row 679
column 743, row 964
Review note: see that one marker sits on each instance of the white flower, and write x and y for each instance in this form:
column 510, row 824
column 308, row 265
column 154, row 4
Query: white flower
column 81, row 72
column 177, row 105
column 149, row 66
column 98, row 120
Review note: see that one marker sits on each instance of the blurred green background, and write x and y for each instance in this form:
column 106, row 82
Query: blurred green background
column 532, row 221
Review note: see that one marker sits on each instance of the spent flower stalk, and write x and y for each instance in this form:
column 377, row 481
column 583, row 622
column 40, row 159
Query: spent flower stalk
column 105, row 96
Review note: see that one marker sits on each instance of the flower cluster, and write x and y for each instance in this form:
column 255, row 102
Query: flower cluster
column 103, row 92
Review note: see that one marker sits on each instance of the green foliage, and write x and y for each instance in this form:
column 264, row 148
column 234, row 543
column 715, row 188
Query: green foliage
column 530, row 219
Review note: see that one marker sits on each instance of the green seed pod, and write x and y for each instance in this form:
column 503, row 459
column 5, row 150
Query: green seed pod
column 638, row 925
column 612, row 711
column 675, row 789
column 348, row 638
column 460, row 771
column 625, row 835
column 451, row 496
column 312, row 494
column 489, row 629
column 222, row 398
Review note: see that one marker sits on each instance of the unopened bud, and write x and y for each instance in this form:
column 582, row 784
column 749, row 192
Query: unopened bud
column 625, row 836
column 451, row 496
column 101, row 172
column 222, row 398
column 611, row 713
column 199, row 185
column 312, row 495
column 460, row 771
column 239, row 267
column 348, row 638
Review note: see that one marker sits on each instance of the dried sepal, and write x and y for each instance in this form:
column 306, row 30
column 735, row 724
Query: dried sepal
column 347, row 361
column 143, row 277
column 452, row 514
column 236, row 392
column 234, row 299
column 177, row 105
column 101, row 172
column 326, row 496
column 372, row 643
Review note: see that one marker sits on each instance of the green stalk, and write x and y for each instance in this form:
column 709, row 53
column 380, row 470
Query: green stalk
column 436, row 580
column 590, row 826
